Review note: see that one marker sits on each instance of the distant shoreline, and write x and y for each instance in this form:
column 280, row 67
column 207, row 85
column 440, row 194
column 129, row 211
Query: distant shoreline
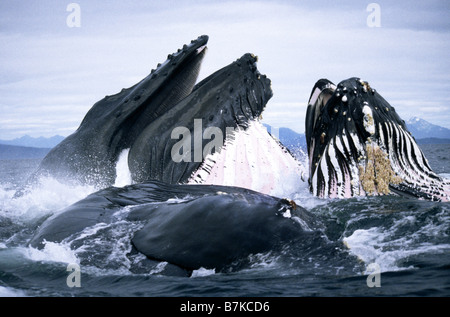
column 433, row 141
column 16, row 152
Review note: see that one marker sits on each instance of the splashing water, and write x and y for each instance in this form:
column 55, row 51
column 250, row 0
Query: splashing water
column 400, row 235
column 52, row 252
column 123, row 175
column 44, row 199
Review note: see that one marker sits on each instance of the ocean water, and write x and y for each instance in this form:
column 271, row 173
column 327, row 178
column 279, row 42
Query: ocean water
column 373, row 246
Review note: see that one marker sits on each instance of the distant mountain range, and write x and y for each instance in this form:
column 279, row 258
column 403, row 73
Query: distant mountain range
column 29, row 147
column 289, row 138
column 29, row 141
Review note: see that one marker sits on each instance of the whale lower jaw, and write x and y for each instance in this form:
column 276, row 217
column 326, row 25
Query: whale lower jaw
column 415, row 176
column 359, row 146
column 251, row 158
column 392, row 164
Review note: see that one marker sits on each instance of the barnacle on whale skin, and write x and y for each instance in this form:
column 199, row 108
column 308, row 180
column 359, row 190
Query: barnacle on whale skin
column 376, row 174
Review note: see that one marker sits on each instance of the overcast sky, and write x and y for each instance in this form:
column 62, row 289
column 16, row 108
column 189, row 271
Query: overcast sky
column 52, row 74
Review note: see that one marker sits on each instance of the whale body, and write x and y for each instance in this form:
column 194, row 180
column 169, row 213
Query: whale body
column 88, row 156
column 190, row 226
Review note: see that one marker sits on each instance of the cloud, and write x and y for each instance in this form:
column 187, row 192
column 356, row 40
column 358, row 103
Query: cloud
column 53, row 72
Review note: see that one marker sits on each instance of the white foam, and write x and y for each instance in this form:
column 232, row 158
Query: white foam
column 52, row 252
column 178, row 200
column 159, row 268
column 45, row 198
column 263, row 260
column 111, row 258
column 123, row 174
column 201, row 272
column 11, row 292
column 90, row 231
column 303, row 197
column 380, row 247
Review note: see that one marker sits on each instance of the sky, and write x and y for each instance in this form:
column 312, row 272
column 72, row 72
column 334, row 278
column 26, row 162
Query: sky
column 52, row 72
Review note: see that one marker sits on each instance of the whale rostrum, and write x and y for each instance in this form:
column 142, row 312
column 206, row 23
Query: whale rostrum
column 88, row 156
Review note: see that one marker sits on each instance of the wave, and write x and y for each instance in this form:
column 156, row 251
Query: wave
column 11, row 292
column 41, row 200
column 393, row 234
column 52, row 252
column 396, row 234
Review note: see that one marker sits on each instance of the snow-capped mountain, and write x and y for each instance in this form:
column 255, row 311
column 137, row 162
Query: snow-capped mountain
column 422, row 129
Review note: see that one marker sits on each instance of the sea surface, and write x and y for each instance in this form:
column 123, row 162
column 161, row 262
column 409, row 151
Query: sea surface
column 373, row 246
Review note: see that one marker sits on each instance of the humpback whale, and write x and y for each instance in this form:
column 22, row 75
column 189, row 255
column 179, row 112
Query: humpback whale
column 189, row 142
column 190, row 145
column 358, row 145
column 190, row 226
column 171, row 129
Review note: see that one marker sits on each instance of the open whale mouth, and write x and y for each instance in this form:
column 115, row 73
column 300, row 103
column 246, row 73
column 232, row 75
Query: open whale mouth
column 164, row 127
column 213, row 135
column 358, row 145
column 251, row 158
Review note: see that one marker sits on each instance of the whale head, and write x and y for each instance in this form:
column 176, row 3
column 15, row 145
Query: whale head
column 214, row 136
column 174, row 129
column 358, row 145
column 173, row 147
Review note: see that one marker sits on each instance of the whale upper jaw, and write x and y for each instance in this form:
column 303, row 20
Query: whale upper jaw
column 89, row 155
column 358, row 145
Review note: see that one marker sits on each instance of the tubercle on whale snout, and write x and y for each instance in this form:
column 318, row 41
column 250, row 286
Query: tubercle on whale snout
column 138, row 92
column 261, row 79
column 239, row 87
column 196, row 46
